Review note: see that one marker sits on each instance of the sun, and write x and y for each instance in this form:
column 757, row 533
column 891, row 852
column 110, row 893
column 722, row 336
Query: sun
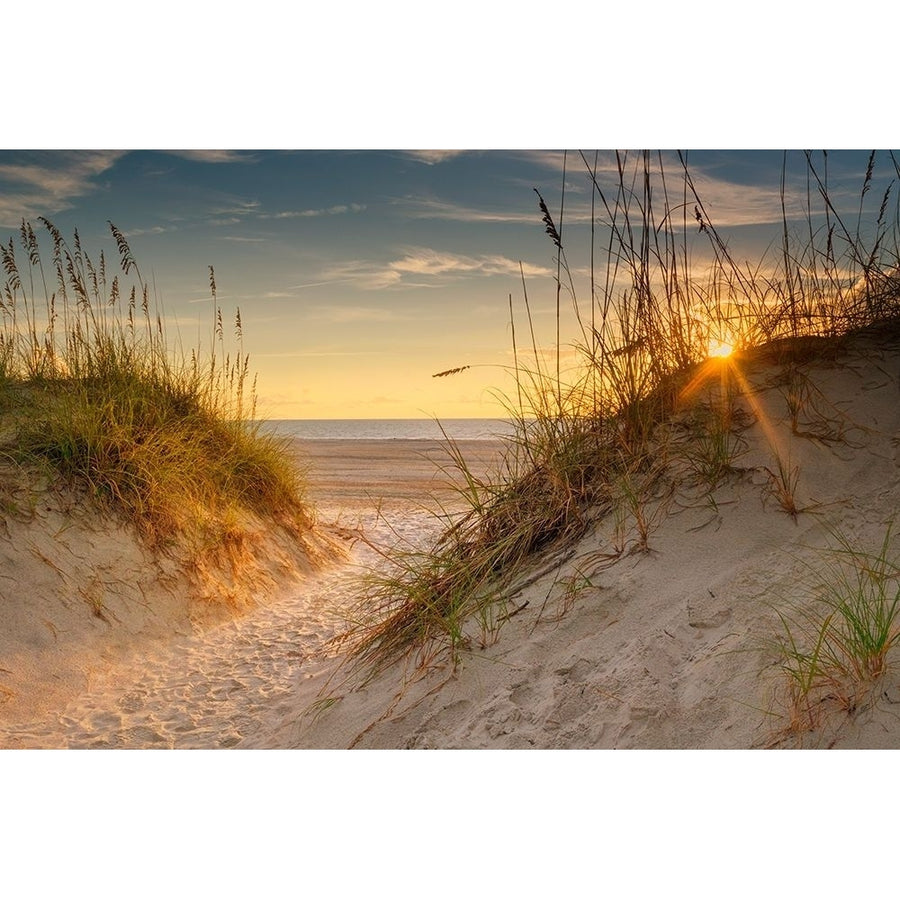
column 719, row 349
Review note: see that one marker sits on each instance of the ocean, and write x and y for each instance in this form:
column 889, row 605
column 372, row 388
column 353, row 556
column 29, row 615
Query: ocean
column 391, row 429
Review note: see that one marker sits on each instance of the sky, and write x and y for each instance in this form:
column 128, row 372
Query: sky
column 361, row 274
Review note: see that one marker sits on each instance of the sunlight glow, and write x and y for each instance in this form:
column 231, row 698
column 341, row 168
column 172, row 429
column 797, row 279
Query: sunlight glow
column 719, row 349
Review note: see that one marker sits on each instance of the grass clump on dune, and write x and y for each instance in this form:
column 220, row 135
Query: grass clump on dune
column 837, row 647
column 94, row 397
column 593, row 437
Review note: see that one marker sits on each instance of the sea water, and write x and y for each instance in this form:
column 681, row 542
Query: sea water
column 392, row 429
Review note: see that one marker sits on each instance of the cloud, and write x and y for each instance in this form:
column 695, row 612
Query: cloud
column 424, row 261
column 730, row 204
column 312, row 284
column 575, row 163
column 420, row 208
column 364, row 274
column 214, row 156
column 433, row 157
column 549, row 159
column 238, row 207
column 310, row 213
column 139, row 232
column 423, row 267
column 431, row 208
column 49, row 182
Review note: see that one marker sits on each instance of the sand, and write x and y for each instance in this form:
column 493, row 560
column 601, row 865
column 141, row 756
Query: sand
column 103, row 648
column 672, row 647
column 360, row 474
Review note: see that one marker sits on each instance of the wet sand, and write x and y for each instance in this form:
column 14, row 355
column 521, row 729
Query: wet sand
column 356, row 473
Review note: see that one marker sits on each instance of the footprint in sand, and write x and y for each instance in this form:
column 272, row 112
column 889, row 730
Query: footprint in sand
column 220, row 687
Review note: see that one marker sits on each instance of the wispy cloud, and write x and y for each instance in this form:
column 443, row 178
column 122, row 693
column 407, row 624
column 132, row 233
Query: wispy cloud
column 424, row 261
column 312, row 284
column 140, row 232
column 237, row 207
column 311, row 213
column 731, row 205
column 575, row 163
column 547, row 159
column 433, row 157
column 432, row 208
column 215, row 156
column 50, row 182
column 576, row 212
column 728, row 203
column 364, row 274
column 423, row 267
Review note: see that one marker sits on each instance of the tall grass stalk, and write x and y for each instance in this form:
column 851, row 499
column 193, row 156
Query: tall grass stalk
column 94, row 392
column 664, row 284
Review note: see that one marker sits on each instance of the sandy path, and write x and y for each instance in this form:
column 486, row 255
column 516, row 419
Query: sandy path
column 234, row 682
column 213, row 688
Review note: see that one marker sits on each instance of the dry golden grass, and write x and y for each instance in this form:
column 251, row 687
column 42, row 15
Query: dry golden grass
column 594, row 442
column 94, row 397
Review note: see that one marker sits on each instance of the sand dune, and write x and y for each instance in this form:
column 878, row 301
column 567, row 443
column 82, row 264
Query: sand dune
column 672, row 647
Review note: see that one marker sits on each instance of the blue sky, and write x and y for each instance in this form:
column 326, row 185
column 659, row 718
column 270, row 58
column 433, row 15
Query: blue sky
column 359, row 274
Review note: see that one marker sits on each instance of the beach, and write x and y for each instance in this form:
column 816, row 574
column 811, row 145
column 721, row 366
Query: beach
column 155, row 672
column 358, row 473
column 615, row 643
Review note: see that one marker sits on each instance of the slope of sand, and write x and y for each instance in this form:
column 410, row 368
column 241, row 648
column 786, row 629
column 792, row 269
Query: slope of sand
column 80, row 595
column 672, row 647
column 668, row 647
column 104, row 645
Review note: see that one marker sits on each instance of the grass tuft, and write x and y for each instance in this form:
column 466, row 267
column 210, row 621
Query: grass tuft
column 836, row 648
column 783, row 482
column 94, row 396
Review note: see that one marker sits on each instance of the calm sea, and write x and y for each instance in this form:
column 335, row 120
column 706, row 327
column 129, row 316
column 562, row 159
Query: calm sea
column 390, row 429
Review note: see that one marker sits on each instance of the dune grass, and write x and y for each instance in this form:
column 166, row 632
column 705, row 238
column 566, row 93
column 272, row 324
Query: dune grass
column 837, row 645
column 95, row 397
column 589, row 438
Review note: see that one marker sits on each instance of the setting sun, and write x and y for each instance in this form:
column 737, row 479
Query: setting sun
column 720, row 349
